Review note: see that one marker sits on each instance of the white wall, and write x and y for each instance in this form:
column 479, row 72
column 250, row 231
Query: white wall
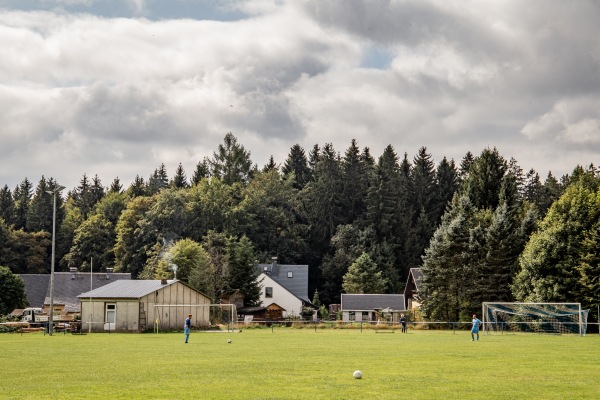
column 281, row 296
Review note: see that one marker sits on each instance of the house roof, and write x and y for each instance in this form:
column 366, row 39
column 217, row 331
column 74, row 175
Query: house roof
column 294, row 278
column 133, row 289
column 67, row 286
column 36, row 286
column 417, row 276
column 370, row 302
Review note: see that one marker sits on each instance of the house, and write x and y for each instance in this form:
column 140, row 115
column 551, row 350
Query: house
column 67, row 286
column 284, row 289
column 137, row 305
column 372, row 307
column 411, row 290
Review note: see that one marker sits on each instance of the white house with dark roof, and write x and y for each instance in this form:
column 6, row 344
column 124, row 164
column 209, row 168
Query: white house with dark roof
column 285, row 286
column 67, row 286
column 130, row 306
column 371, row 307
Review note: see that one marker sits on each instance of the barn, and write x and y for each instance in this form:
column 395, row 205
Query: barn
column 130, row 306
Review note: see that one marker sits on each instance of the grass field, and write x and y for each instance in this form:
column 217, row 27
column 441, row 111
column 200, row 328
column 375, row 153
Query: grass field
column 299, row 364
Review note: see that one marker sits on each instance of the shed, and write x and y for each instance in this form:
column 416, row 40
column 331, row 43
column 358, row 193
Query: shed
column 371, row 307
column 131, row 306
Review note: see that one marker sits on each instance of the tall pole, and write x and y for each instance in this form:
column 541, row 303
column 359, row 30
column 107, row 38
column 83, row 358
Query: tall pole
column 51, row 317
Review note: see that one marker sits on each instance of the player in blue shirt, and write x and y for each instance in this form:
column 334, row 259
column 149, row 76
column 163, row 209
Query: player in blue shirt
column 475, row 328
column 187, row 326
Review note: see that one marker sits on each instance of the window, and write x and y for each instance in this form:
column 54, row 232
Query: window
column 290, row 274
column 352, row 316
column 111, row 312
column 269, row 292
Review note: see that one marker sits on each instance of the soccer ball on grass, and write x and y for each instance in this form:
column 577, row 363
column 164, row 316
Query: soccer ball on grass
column 357, row 374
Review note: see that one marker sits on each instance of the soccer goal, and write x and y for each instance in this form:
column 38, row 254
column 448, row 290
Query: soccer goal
column 207, row 317
column 534, row 317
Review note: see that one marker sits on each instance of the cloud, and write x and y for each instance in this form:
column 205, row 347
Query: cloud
column 156, row 82
column 574, row 121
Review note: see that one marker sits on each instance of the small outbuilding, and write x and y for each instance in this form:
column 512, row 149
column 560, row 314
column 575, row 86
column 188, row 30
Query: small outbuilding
column 372, row 307
column 137, row 305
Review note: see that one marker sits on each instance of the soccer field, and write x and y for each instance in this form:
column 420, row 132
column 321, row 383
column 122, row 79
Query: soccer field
column 291, row 363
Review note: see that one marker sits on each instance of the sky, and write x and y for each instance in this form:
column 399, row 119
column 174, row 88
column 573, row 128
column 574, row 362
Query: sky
column 115, row 88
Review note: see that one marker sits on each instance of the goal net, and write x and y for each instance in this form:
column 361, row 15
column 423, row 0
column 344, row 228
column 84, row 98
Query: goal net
column 206, row 317
column 534, row 317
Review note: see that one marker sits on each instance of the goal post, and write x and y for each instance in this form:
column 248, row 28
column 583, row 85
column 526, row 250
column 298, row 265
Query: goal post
column 534, row 317
column 206, row 317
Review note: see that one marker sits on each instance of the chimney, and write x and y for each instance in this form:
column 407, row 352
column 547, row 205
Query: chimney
column 274, row 261
column 108, row 271
column 163, row 281
column 73, row 271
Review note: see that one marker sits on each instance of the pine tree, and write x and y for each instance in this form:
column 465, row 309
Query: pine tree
column 355, row 184
column 464, row 170
column 447, row 276
column 485, row 178
column 231, row 163
column 40, row 211
column 158, row 181
column 270, row 166
column 87, row 194
column 22, row 196
column 115, row 186
column 7, row 205
column 363, row 276
column 179, row 180
column 447, row 185
column 137, row 187
column 202, row 171
column 297, row 165
column 242, row 273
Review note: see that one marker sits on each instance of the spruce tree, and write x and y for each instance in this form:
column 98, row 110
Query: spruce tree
column 115, row 186
column 296, row 165
column 363, row 276
column 40, row 211
column 231, row 162
column 22, row 196
column 202, row 171
column 7, row 205
column 179, row 180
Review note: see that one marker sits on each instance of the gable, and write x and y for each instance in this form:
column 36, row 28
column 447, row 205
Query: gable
column 294, row 278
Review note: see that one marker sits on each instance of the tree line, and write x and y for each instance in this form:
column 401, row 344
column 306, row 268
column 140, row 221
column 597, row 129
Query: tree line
column 360, row 224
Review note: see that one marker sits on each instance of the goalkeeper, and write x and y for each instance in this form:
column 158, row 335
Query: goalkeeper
column 475, row 328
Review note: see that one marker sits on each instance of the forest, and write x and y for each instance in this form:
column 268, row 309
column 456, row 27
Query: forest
column 481, row 229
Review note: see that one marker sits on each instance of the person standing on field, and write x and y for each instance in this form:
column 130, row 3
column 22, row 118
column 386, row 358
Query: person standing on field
column 475, row 328
column 403, row 322
column 187, row 326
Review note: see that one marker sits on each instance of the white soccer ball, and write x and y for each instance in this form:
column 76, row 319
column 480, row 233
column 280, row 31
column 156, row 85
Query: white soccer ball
column 357, row 375
column 228, row 340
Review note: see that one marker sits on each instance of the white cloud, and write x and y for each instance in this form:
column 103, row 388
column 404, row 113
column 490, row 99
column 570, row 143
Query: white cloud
column 119, row 96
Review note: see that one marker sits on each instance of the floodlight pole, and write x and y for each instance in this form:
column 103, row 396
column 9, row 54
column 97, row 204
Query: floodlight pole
column 54, row 192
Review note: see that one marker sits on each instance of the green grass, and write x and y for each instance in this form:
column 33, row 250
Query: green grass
column 291, row 363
